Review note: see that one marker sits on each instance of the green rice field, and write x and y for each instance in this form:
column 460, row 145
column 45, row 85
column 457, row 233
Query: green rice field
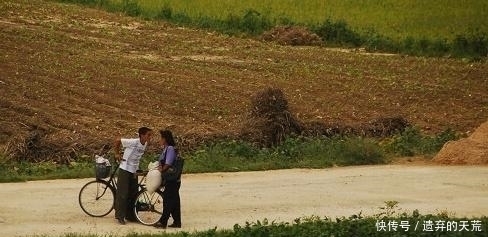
column 396, row 19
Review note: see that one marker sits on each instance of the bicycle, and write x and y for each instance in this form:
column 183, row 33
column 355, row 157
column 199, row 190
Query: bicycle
column 97, row 198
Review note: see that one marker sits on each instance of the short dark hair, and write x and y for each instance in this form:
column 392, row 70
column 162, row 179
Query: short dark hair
column 168, row 136
column 143, row 130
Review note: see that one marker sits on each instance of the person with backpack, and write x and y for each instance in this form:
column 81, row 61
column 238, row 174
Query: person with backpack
column 170, row 167
column 127, row 177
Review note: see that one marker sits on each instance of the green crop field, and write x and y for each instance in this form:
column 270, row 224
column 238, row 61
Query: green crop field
column 423, row 28
column 392, row 18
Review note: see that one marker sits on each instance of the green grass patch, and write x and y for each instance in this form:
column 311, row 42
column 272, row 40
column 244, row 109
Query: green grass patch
column 292, row 153
column 23, row 171
column 412, row 142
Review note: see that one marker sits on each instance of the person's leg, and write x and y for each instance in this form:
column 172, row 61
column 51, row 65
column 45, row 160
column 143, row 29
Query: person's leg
column 121, row 195
column 176, row 211
column 168, row 202
column 131, row 196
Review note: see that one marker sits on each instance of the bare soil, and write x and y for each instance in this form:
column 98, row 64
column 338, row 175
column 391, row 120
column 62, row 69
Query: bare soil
column 224, row 199
column 86, row 76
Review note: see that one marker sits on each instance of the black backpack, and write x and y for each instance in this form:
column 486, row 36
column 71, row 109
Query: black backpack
column 175, row 171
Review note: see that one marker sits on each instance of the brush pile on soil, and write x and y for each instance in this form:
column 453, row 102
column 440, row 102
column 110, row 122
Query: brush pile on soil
column 270, row 122
column 291, row 35
column 472, row 150
column 39, row 145
column 383, row 127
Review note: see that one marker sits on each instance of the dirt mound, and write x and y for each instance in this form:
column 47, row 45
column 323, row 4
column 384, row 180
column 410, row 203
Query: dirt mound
column 291, row 35
column 472, row 150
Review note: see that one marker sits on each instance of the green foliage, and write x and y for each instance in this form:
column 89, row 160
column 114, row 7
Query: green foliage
column 292, row 153
column 338, row 32
column 356, row 151
column 355, row 225
column 166, row 13
column 251, row 22
column 131, row 8
column 472, row 44
column 411, row 142
column 388, row 210
column 16, row 172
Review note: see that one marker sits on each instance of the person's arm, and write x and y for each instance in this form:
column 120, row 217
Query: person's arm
column 169, row 159
column 117, row 146
column 163, row 168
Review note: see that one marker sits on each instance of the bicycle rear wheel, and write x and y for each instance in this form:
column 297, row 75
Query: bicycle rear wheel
column 97, row 198
column 148, row 207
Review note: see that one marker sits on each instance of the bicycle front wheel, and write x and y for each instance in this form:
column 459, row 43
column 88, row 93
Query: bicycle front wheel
column 97, row 198
column 148, row 207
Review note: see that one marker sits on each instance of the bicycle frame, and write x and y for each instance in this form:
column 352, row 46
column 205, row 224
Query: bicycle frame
column 113, row 181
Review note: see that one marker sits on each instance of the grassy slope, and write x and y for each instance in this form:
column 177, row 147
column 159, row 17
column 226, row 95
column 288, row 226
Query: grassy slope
column 92, row 75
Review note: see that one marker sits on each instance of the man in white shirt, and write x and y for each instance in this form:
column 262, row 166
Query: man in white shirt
column 127, row 178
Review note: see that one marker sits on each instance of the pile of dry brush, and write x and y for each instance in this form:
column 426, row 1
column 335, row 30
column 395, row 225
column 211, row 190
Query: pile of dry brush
column 270, row 122
column 40, row 145
column 292, row 35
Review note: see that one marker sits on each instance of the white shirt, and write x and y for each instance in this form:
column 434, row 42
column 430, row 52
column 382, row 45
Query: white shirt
column 133, row 151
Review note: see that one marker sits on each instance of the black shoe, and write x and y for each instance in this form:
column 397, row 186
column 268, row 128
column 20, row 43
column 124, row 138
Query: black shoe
column 159, row 225
column 121, row 221
column 174, row 225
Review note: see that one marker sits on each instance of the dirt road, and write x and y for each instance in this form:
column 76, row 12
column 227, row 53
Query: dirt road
column 224, row 199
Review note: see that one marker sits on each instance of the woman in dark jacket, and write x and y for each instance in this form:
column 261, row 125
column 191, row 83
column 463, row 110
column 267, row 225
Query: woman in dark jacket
column 171, row 193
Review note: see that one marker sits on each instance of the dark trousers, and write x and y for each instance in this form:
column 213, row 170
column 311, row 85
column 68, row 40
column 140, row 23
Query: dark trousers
column 171, row 203
column 125, row 195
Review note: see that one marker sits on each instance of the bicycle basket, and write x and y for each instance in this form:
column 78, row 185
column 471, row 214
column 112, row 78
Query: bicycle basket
column 102, row 167
column 102, row 170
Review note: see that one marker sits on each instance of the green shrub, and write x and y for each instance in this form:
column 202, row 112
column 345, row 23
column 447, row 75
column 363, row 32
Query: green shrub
column 411, row 142
column 131, row 8
column 474, row 44
column 357, row 151
column 292, row 153
column 337, row 32
column 166, row 13
column 376, row 42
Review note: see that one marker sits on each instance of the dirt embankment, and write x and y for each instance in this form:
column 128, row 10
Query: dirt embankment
column 472, row 150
